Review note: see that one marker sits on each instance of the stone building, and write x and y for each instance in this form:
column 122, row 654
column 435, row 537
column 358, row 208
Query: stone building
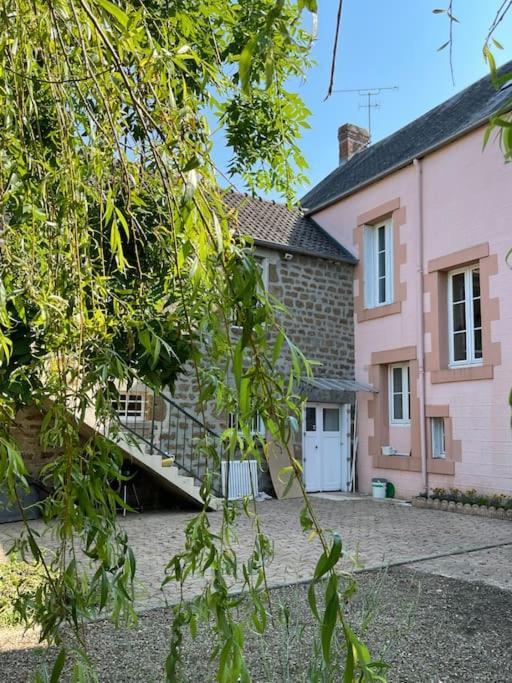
column 312, row 275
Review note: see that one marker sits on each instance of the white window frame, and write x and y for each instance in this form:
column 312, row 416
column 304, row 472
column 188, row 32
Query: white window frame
column 406, row 391
column 371, row 264
column 438, row 454
column 470, row 359
column 258, row 425
column 122, row 402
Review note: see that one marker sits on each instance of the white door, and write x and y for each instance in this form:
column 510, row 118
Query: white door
column 326, row 447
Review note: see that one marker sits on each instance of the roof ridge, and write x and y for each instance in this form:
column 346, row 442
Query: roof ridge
column 384, row 166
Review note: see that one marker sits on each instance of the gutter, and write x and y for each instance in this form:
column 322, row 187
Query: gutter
column 421, row 324
column 399, row 165
column 304, row 252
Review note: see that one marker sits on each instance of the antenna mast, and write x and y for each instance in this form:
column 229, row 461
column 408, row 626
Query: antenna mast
column 369, row 93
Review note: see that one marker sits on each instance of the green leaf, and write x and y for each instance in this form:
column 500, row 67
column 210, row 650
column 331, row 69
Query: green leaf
column 58, row 666
column 244, row 396
column 118, row 14
column 312, row 601
column 269, row 69
column 328, row 625
column 348, row 674
column 245, row 63
column 326, row 563
column 278, row 345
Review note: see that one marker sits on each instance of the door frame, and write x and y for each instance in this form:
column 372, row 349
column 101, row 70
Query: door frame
column 345, row 413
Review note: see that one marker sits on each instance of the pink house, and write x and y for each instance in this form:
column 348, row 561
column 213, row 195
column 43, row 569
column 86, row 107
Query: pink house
column 428, row 213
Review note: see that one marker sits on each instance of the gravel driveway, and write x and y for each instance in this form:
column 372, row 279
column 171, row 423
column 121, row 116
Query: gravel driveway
column 429, row 629
column 441, row 613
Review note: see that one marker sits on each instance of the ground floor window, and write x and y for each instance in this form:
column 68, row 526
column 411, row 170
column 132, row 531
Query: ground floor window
column 438, row 437
column 129, row 406
column 399, row 394
column 257, row 426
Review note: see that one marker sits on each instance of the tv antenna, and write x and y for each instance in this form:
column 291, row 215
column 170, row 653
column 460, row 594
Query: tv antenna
column 369, row 93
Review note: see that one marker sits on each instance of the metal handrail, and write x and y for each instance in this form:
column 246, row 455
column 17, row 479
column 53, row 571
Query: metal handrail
column 178, row 427
column 185, row 412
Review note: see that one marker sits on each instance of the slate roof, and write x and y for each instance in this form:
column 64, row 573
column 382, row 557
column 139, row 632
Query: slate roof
column 276, row 226
column 460, row 114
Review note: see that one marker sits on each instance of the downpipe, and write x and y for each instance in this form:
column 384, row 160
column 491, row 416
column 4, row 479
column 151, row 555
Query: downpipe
column 421, row 324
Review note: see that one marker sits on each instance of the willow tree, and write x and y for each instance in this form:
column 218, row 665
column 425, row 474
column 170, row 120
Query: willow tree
column 118, row 265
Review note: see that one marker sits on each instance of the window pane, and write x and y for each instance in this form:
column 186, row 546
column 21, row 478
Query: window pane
column 382, row 238
column 459, row 346
column 438, row 442
column 477, row 316
column 397, row 380
column 478, row 344
column 382, row 290
column 476, row 283
column 459, row 317
column 458, row 287
column 310, row 419
column 331, row 420
column 397, row 407
column 382, row 263
column 408, row 393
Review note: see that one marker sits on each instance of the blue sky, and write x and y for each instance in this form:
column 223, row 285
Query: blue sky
column 384, row 43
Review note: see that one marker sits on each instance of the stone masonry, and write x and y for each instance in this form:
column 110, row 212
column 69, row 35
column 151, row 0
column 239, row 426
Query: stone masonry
column 317, row 293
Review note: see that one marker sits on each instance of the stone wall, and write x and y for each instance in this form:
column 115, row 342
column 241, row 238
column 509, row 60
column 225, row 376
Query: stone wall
column 26, row 432
column 320, row 320
column 318, row 296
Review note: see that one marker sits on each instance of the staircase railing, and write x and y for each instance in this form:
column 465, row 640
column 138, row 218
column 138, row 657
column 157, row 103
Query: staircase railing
column 170, row 431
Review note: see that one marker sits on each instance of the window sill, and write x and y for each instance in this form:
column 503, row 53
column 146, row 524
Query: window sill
column 462, row 374
column 379, row 311
column 397, row 462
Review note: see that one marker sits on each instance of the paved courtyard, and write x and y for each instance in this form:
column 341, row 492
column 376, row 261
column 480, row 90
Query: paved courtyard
column 380, row 533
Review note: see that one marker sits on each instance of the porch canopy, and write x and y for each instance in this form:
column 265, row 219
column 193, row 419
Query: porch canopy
column 333, row 389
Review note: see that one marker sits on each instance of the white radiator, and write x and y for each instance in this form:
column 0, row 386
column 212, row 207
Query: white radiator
column 241, row 473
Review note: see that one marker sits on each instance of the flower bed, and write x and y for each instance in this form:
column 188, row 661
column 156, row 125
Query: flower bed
column 498, row 506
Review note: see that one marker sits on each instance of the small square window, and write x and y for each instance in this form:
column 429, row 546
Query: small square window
column 129, row 406
column 310, row 419
column 438, row 438
column 257, row 426
column 331, row 419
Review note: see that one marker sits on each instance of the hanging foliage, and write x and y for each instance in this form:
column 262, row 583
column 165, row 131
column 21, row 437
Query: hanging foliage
column 118, row 265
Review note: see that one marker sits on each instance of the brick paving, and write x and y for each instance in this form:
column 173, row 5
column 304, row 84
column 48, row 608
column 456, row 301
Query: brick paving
column 379, row 532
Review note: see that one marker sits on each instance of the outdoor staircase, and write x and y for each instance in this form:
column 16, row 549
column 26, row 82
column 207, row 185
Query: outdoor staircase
column 162, row 438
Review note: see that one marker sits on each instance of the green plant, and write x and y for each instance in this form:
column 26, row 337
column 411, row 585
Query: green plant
column 118, row 263
column 18, row 580
column 471, row 496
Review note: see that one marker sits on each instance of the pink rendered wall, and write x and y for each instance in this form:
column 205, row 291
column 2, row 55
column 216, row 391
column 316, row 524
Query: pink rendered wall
column 467, row 200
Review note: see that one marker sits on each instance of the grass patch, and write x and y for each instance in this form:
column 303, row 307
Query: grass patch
column 17, row 578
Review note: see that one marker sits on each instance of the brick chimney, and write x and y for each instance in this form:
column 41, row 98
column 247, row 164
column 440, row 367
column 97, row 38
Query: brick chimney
column 351, row 140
